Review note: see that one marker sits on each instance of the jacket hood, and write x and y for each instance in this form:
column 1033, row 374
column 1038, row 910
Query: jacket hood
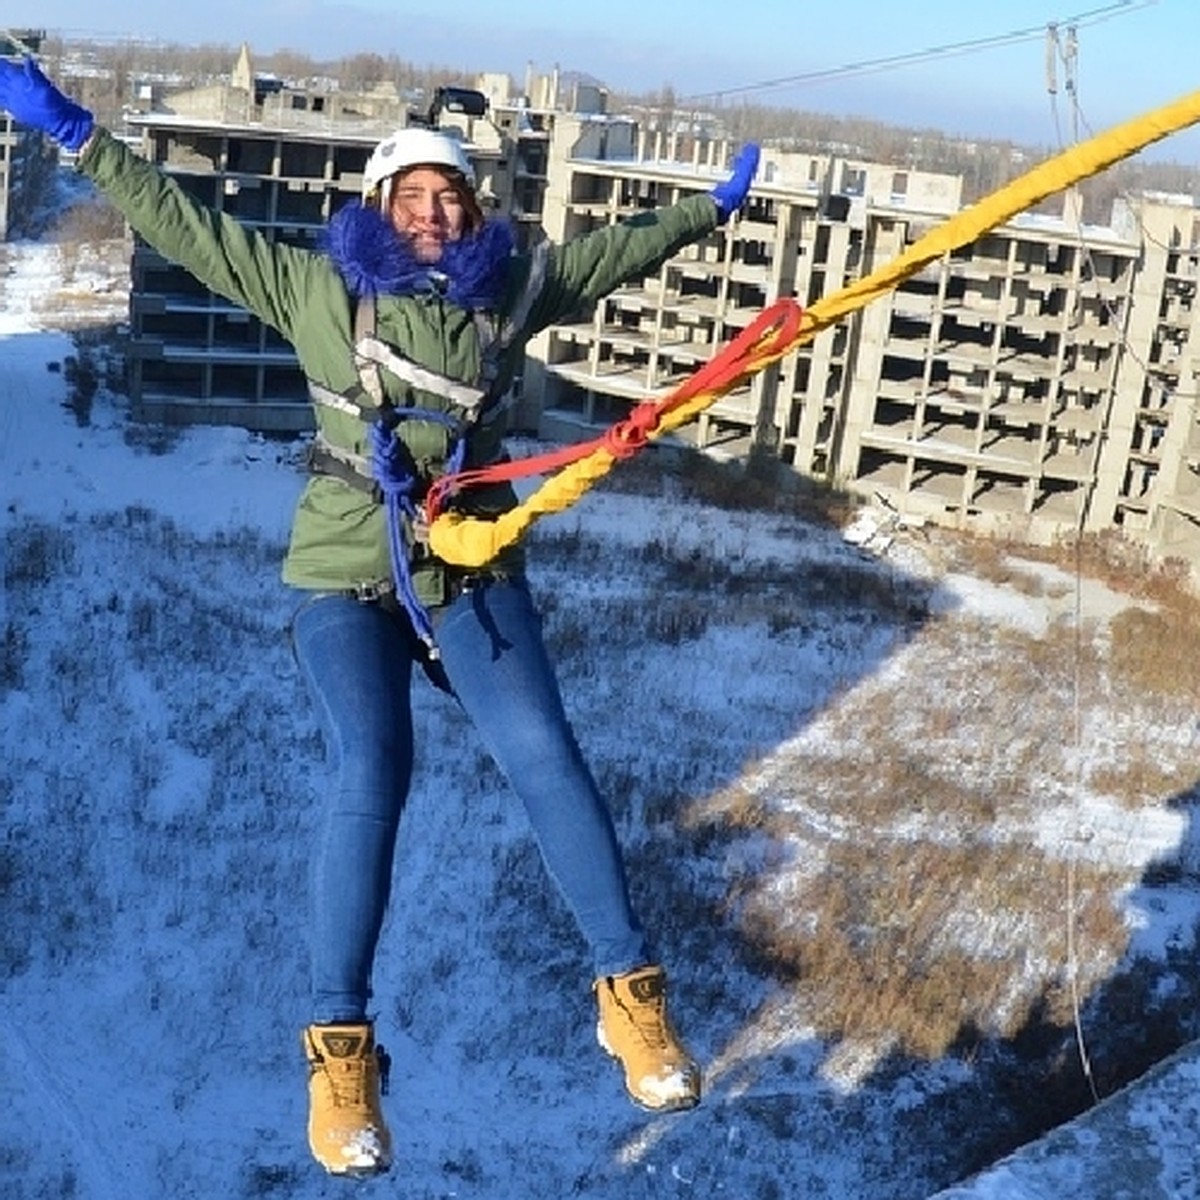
column 373, row 259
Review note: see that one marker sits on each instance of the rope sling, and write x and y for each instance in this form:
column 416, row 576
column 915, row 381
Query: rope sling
column 391, row 467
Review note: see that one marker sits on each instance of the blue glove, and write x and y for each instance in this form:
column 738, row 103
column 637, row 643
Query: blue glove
column 731, row 195
column 34, row 101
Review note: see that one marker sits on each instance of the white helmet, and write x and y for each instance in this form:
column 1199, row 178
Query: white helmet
column 413, row 147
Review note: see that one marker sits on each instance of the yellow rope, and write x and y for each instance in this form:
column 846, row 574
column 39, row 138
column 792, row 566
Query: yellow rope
column 474, row 541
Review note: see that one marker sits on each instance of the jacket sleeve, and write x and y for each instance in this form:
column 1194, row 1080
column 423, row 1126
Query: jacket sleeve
column 581, row 271
column 270, row 279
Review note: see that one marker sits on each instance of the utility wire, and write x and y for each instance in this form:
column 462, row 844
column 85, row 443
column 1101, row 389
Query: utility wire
column 1067, row 52
column 890, row 62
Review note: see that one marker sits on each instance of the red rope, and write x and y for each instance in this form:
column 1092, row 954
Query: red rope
column 769, row 334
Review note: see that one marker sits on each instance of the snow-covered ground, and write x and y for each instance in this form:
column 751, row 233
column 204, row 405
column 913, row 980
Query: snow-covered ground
column 162, row 779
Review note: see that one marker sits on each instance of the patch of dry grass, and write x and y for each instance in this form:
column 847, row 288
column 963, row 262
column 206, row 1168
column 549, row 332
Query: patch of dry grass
column 922, row 919
column 1143, row 779
column 767, row 488
column 910, row 944
column 1107, row 558
column 1157, row 653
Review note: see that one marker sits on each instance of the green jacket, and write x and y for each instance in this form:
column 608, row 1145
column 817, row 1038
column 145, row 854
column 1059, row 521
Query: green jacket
column 338, row 535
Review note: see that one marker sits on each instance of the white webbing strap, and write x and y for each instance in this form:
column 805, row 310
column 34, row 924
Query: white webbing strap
column 373, row 352
column 534, row 282
column 364, row 327
column 357, row 463
column 319, row 394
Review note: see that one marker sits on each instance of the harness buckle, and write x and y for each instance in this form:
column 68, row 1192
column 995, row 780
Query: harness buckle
column 419, row 523
column 371, row 593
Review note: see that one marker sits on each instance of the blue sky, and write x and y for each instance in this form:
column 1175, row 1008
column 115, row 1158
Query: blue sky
column 1132, row 56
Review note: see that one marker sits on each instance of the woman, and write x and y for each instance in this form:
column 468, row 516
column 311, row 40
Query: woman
column 409, row 326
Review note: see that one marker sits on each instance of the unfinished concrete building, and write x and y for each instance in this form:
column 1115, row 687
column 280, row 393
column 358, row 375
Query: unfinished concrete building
column 1039, row 382
column 801, row 233
column 25, row 156
column 193, row 356
column 1156, row 482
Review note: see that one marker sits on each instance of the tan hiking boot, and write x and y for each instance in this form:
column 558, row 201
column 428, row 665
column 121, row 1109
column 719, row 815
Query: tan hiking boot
column 346, row 1130
column 634, row 1028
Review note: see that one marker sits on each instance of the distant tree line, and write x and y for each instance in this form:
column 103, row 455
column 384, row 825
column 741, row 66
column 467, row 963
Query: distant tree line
column 984, row 164
column 104, row 73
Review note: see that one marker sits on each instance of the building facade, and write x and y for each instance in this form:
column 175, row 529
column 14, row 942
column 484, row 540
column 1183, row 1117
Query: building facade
column 25, row 159
column 1037, row 383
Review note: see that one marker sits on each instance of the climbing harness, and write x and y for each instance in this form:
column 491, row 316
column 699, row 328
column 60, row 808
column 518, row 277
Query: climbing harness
column 389, row 473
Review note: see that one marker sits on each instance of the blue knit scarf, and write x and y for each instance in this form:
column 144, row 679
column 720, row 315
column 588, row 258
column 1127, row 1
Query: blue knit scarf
column 373, row 259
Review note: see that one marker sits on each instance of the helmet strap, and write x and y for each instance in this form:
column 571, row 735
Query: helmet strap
column 384, row 191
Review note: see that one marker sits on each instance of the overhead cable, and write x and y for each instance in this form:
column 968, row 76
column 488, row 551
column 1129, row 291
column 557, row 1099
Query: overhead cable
column 891, row 62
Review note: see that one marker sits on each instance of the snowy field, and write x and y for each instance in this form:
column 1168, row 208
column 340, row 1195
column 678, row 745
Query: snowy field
column 813, row 738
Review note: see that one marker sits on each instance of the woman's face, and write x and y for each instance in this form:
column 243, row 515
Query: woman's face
column 426, row 208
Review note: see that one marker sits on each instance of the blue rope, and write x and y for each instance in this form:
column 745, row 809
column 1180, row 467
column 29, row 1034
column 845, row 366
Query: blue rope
column 391, row 467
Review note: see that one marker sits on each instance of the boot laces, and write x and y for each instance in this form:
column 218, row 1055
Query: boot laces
column 349, row 1081
column 649, row 1018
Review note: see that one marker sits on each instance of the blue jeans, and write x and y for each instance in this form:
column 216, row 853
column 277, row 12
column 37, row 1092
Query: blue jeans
column 358, row 660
